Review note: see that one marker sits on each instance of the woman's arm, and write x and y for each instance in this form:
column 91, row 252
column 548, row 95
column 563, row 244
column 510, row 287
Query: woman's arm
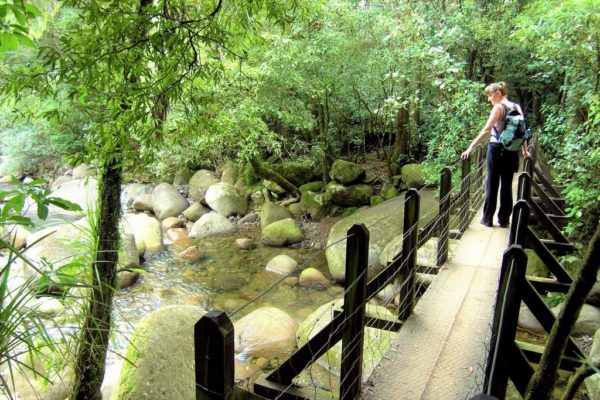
column 494, row 117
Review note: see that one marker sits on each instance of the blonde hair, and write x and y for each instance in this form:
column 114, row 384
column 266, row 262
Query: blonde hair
column 501, row 87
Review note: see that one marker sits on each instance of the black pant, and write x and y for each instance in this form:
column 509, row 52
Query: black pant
column 501, row 166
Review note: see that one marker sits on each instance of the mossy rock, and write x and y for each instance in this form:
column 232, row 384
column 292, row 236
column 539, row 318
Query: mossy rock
column 412, row 175
column 272, row 212
column 376, row 200
column 316, row 204
column 297, row 210
column 296, row 172
column 348, row 196
column 282, row 233
column 200, row 182
column 535, row 266
column 346, row 172
column 388, row 190
column 316, row 186
column 160, row 357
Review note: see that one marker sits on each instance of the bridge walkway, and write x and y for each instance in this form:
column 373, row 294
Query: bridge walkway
column 441, row 350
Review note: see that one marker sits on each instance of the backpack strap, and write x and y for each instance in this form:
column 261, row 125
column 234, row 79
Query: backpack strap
column 506, row 110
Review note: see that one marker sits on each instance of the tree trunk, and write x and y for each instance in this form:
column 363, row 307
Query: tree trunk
column 271, row 175
column 93, row 343
column 542, row 382
column 577, row 379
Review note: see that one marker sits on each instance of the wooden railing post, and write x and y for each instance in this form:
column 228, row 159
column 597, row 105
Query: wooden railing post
column 444, row 213
column 524, row 186
column 214, row 347
column 506, row 315
column 409, row 254
column 465, row 195
column 357, row 260
column 480, row 160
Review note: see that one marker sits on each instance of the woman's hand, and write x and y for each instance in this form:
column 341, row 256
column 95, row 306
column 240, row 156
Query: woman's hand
column 466, row 153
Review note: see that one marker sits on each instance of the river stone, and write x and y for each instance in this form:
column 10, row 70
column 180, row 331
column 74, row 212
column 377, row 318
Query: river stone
column 387, row 294
column 146, row 230
column 195, row 211
column 296, row 210
column 245, row 243
column 190, row 254
column 133, row 190
column 588, row 322
column 296, row 172
column 224, row 199
column 143, row 202
column 385, row 221
column 83, row 192
column 175, row 234
column 376, row 341
column 59, row 181
column 128, row 252
column 229, row 174
column 282, row 265
column 83, row 171
column 15, row 235
column 171, row 222
column 316, row 186
column 200, row 182
column 265, row 332
column 529, row 323
column 592, row 383
column 167, row 201
column 272, row 212
column 182, row 177
column 317, row 205
column 282, row 233
column 594, row 296
column 346, row 172
column 350, row 196
column 211, row 224
column 250, row 218
column 388, row 190
column 160, row 357
column 412, row 175
column 314, row 279
column 46, row 307
column 126, row 279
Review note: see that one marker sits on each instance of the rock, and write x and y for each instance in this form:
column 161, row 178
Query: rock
column 83, row 171
column 175, row 234
column 182, row 178
column 273, row 187
column 272, row 212
column 594, row 296
column 143, row 202
column 224, row 199
column 160, row 357
column 249, row 218
column 200, row 182
column 265, row 332
column 171, row 222
column 348, row 196
column 377, row 341
column 592, row 383
column 529, row 323
column 412, row 175
column 257, row 198
column 133, row 190
column 190, row 254
column 296, row 172
column 83, row 192
column 296, row 210
column 317, row 205
column 146, row 230
column 291, row 281
column 388, row 190
column 128, row 252
column 314, row 279
column 15, row 235
column 282, row 233
column 229, row 174
column 587, row 323
column 385, row 221
column 375, row 200
column 167, row 201
column 46, row 307
column 535, row 266
column 245, row 243
column 126, row 279
column 59, row 181
column 346, row 172
column 211, row 224
column 316, row 187
column 195, row 211
column 387, row 294
column 282, row 265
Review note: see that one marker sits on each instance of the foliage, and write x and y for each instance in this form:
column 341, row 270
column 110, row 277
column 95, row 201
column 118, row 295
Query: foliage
column 14, row 24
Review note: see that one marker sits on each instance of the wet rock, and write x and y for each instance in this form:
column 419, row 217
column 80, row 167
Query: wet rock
column 174, row 234
column 282, row 265
column 272, row 212
column 194, row 299
column 190, row 254
column 225, row 199
column 171, row 222
column 317, row 205
column 195, row 211
column 143, row 202
column 265, row 332
column 346, row 172
column 167, row 201
column 245, row 243
column 211, row 224
column 282, row 233
column 147, row 232
column 314, row 279
column 181, row 244
column 200, row 182
column 128, row 252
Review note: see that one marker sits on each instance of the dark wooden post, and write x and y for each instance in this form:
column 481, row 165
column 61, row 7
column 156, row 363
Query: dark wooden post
column 519, row 223
column 465, row 194
column 214, row 347
column 480, row 160
column 409, row 254
column 444, row 213
column 528, row 165
column 357, row 261
column 524, row 186
column 506, row 315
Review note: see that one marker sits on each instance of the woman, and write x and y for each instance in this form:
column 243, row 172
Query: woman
column 501, row 163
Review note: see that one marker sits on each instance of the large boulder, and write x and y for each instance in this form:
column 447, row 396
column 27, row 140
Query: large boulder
column 143, row 202
column 200, row 182
column 83, row 171
column 83, row 192
column 317, row 205
column 160, row 357
column 211, row 224
column 282, row 233
column 265, row 332
column 133, row 190
column 592, row 384
column 384, row 221
column 412, row 175
column 272, row 212
column 350, row 196
column 297, row 172
column 535, row 266
column 146, row 230
column 167, row 201
column 346, row 172
column 225, row 199
column 195, row 211
column 316, row 186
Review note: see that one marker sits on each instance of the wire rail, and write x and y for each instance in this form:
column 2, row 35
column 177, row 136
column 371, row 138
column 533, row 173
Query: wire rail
column 357, row 323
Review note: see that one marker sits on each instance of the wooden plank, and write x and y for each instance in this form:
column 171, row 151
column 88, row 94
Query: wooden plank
column 544, row 285
column 383, row 324
column 534, row 352
column 520, row 370
column 546, row 183
column 532, row 242
column 548, row 224
column 562, row 248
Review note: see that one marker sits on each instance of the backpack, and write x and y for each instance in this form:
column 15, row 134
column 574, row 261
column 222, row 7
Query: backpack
column 515, row 131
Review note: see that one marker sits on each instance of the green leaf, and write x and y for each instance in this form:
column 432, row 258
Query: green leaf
column 42, row 211
column 24, row 40
column 32, row 10
column 15, row 203
column 18, row 219
column 64, row 204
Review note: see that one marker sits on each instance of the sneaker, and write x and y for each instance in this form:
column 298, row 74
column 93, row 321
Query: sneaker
column 488, row 224
column 503, row 224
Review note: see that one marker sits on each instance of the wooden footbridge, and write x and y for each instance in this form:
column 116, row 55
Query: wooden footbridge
column 454, row 339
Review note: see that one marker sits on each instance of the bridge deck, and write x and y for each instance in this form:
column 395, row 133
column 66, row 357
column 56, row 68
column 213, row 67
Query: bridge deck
column 441, row 350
